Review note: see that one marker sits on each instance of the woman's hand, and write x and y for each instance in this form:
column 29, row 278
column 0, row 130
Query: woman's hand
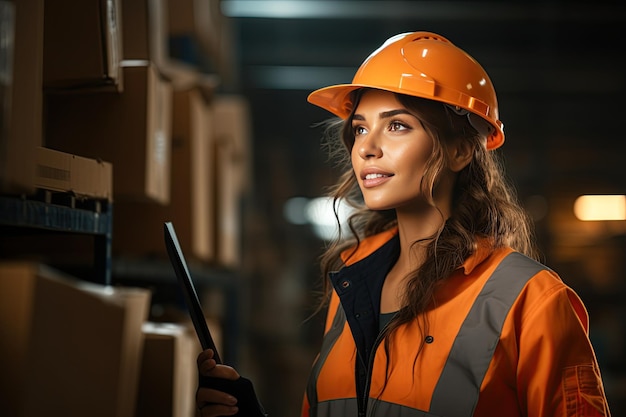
column 211, row 402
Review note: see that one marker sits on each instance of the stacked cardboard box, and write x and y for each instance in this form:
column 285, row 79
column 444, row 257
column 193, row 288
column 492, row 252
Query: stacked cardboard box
column 209, row 175
column 83, row 177
column 35, row 62
column 130, row 129
column 109, row 85
column 168, row 371
column 82, row 45
column 145, row 31
column 200, row 35
column 68, row 347
column 96, row 109
column 138, row 226
column 232, row 151
column 21, row 94
column 129, row 126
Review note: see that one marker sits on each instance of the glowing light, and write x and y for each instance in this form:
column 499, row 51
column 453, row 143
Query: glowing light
column 600, row 207
column 318, row 213
column 322, row 217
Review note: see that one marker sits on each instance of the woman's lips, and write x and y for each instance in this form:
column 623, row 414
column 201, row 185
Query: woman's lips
column 371, row 178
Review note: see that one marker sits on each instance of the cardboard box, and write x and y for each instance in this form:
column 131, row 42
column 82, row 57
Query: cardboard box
column 198, row 20
column 82, row 45
column 84, row 177
column 232, row 138
column 138, row 227
column 21, row 131
column 235, row 129
column 199, row 34
column 131, row 129
column 145, row 30
column 70, row 348
column 228, row 207
column 169, row 378
column 17, row 293
column 146, row 37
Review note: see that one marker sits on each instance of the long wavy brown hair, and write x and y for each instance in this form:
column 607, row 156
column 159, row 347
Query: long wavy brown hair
column 484, row 206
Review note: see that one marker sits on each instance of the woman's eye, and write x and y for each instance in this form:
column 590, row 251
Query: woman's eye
column 394, row 126
column 358, row 130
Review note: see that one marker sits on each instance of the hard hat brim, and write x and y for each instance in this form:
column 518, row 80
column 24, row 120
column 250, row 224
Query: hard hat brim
column 335, row 99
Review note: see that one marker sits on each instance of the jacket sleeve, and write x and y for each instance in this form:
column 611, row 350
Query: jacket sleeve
column 557, row 374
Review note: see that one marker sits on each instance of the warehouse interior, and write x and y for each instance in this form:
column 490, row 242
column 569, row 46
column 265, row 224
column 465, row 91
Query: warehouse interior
column 196, row 112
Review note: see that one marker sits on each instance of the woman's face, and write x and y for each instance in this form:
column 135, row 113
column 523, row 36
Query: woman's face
column 389, row 154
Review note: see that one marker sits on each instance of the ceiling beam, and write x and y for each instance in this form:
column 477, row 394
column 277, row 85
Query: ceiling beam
column 433, row 10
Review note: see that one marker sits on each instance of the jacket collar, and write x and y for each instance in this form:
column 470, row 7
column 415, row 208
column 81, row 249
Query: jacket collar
column 482, row 251
column 372, row 243
column 367, row 246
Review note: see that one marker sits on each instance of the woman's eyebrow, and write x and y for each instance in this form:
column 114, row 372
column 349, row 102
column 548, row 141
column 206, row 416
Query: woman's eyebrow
column 391, row 113
column 384, row 115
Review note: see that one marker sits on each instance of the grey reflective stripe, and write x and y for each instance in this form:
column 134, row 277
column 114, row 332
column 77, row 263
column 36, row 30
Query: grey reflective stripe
column 377, row 408
column 342, row 407
column 457, row 390
column 328, row 342
column 347, row 407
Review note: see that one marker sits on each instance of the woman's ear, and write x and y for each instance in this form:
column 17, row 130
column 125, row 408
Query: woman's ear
column 460, row 153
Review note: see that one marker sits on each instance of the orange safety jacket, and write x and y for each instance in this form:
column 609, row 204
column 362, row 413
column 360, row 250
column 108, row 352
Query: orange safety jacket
column 506, row 338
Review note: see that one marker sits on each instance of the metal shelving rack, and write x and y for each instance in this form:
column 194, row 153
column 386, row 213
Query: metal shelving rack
column 64, row 213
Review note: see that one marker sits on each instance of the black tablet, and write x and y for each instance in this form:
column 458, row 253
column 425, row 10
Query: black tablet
column 189, row 291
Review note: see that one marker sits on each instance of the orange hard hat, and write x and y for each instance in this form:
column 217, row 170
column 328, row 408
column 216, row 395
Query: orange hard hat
column 426, row 65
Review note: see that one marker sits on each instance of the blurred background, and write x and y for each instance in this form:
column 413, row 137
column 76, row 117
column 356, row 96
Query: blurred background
column 202, row 115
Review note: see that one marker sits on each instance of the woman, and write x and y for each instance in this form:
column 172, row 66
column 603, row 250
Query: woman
column 436, row 306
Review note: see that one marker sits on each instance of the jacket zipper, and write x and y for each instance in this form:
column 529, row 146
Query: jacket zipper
column 370, row 369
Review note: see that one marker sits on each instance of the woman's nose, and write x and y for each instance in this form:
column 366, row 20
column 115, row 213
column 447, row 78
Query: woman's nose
column 369, row 147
